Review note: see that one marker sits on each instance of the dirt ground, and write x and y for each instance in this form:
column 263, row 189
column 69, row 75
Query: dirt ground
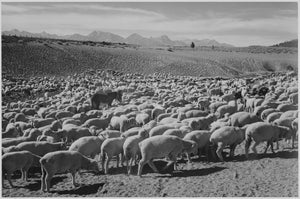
column 270, row 175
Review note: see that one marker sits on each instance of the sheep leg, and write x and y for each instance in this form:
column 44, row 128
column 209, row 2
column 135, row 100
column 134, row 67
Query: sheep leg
column 48, row 180
column 219, row 151
column 22, row 174
column 253, row 147
column 207, row 152
column 73, row 175
column 43, row 179
column 188, row 157
column 271, row 143
column 118, row 157
column 293, row 140
column 268, row 144
column 98, row 157
column 103, row 159
column 174, row 159
column 129, row 164
column 247, row 145
column 122, row 159
column 199, row 152
column 232, row 148
column 106, row 164
column 212, row 151
column 9, row 178
column 26, row 175
column 277, row 145
column 151, row 164
column 137, row 158
column 141, row 165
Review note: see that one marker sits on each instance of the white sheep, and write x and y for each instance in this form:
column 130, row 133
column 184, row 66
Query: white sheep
column 37, row 148
column 71, row 121
column 162, row 146
column 110, row 133
column 73, row 133
column 20, row 160
column 185, row 130
column 240, row 119
column 127, row 124
column 142, row 118
column 34, row 133
column 289, row 114
column 37, row 123
column 266, row 112
column 115, row 122
column 262, row 131
column 287, row 122
column 111, row 147
column 12, row 132
column 63, row 114
column 215, row 105
column 131, row 148
column 202, row 123
column 156, row 111
column 168, row 120
column 150, row 125
column 62, row 161
column 218, row 124
column 195, row 113
column 228, row 108
column 227, row 135
column 159, row 130
column 201, row 137
column 100, row 123
column 286, row 107
column 273, row 116
column 175, row 132
column 162, row 116
column 88, row 146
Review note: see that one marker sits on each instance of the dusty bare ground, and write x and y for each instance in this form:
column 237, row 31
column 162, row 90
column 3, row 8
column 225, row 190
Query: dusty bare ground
column 267, row 175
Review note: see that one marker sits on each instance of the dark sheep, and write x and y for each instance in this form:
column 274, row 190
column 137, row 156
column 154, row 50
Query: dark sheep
column 263, row 91
column 107, row 98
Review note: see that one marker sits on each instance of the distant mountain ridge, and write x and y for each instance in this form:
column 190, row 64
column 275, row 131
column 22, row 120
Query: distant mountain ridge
column 135, row 38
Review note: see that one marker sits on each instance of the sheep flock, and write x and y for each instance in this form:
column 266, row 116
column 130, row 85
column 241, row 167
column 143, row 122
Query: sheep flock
column 93, row 121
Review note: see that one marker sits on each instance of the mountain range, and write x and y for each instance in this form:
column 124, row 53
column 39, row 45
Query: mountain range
column 135, row 38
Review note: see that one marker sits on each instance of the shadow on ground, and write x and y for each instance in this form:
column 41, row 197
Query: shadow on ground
column 196, row 172
column 252, row 156
column 37, row 184
column 83, row 190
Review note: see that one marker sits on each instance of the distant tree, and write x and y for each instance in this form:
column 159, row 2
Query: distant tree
column 192, row 45
column 213, row 47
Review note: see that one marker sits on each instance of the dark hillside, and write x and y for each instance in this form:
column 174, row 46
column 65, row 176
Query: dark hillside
column 292, row 43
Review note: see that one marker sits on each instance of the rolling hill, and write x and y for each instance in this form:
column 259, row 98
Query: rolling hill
column 38, row 57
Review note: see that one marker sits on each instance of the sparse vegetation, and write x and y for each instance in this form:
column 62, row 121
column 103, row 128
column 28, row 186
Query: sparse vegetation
column 192, row 45
column 48, row 57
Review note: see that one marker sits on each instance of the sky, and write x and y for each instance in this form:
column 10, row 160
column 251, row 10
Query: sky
column 236, row 23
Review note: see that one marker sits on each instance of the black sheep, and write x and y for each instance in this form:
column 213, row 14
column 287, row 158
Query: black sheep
column 106, row 98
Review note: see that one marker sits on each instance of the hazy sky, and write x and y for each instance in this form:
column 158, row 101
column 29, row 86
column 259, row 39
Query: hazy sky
column 236, row 23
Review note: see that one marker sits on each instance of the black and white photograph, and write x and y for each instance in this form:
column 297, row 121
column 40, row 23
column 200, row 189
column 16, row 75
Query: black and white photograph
column 149, row 99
